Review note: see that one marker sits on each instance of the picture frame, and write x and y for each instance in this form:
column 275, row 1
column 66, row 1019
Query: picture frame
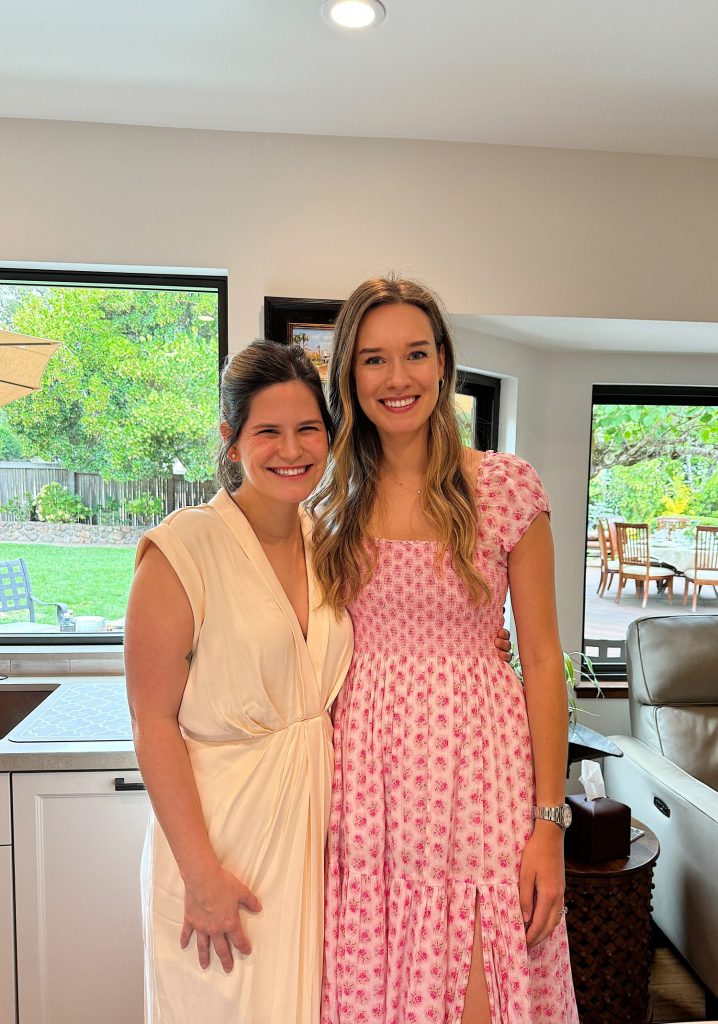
column 307, row 322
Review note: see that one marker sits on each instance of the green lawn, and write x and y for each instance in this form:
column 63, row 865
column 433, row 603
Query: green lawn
column 92, row 581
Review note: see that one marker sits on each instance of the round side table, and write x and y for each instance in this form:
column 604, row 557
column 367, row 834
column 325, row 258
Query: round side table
column 609, row 934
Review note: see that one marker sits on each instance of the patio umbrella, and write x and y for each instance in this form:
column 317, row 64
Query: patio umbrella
column 22, row 362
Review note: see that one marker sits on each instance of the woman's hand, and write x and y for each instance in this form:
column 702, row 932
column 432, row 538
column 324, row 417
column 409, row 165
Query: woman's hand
column 542, row 881
column 502, row 643
column 211, row 909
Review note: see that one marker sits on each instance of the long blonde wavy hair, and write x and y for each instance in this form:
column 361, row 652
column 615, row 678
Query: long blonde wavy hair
column 344, row 553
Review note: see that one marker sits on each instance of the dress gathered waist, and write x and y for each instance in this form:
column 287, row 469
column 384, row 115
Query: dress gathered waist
column 247, row 737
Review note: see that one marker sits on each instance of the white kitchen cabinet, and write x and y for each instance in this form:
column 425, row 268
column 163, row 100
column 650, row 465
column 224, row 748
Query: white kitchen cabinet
column 5, row 819
column 78, row 843
column 7, row 946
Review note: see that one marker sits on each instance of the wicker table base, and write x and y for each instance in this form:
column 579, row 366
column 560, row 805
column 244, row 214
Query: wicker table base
column 609, row 931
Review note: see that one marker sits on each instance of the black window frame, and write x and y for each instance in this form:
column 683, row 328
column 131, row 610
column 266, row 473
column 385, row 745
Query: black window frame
column 115, row 279
column 615, row 671
column 486, row 391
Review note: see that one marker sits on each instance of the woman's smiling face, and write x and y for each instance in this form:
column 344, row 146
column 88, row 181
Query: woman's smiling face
column 397, row 368
column 283, row 446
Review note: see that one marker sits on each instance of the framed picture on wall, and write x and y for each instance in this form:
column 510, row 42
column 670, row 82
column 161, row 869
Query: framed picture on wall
column 306, row 322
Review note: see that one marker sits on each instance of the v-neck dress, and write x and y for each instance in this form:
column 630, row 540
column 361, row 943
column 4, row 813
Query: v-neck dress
column 432, row 791
column 255, row 720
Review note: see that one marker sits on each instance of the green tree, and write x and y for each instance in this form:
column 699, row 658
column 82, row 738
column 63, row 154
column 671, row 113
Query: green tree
column 134, row 386
column 624, row 435
column 10, row 447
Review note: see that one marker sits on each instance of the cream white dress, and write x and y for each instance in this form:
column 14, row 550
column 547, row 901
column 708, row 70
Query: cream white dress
column 255, row 720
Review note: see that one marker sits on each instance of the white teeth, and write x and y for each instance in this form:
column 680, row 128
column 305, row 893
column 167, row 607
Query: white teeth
column 298, row 471
column 398, row 403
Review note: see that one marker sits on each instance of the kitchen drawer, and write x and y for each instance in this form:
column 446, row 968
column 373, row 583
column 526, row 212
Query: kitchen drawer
column 5, row 825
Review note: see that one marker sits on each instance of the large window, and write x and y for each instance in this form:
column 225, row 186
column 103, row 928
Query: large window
column 122, row 431
column 652, row 512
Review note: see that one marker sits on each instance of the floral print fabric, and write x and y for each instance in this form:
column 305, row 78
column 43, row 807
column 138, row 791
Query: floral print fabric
column 432, row 792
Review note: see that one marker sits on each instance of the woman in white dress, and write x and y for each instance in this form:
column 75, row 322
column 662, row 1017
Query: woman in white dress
column 232, row 664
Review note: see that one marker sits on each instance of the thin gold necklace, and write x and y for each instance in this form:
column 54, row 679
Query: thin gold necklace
column 400, row 484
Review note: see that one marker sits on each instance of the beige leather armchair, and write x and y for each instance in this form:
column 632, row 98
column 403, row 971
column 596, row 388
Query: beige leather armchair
column 669, row 775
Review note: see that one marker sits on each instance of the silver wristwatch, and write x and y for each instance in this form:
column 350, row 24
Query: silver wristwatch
column 560, row 815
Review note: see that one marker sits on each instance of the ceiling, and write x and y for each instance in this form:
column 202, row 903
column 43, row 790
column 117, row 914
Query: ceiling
column 624, row 75
column 587, row 334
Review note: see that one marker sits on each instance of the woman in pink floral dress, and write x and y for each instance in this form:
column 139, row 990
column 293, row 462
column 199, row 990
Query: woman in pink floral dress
column 445, row 857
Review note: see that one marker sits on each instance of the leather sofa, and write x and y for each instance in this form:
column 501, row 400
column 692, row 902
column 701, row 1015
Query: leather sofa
column 669, row 774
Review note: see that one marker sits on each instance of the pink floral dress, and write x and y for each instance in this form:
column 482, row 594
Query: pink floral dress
column 432, row 793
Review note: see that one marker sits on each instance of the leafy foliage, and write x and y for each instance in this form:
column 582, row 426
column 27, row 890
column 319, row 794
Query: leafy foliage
column 624, row 435
column 650, row 461
column 133, row 388
column 10, row 447
column 144, row 507
column 55, row 504
column 19, row 510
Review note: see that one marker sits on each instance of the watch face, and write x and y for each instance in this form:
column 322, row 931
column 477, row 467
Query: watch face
column 567, row 815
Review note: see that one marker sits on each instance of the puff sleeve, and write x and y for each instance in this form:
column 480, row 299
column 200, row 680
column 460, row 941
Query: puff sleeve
column 512, row 497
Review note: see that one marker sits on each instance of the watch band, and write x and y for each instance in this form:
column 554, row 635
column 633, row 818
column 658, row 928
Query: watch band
column 559, row 814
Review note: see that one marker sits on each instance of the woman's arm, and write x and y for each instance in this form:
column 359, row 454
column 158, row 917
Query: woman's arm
column 158, row 649
column 533, row 599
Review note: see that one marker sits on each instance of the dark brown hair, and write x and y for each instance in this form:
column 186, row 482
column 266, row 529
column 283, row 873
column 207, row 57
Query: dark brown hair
column 260, row 365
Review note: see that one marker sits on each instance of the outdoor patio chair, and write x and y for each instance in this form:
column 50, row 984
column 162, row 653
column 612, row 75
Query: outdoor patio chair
column 634, row 562
column 16, row 591
column 609, row 564
column 705, row 563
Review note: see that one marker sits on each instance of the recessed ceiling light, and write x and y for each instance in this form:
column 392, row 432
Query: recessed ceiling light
column 353, row 13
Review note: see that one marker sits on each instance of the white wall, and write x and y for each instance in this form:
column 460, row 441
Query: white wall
column 502, row 230
column 494, row 229
column 553, row 429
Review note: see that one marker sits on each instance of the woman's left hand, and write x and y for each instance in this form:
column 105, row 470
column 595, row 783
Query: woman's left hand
column 542, row 881
column 502, row 643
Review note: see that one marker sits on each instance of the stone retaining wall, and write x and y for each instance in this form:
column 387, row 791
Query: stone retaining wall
column 70, row 533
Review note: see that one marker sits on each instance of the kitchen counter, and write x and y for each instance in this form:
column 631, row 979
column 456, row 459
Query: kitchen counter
column 83, row 724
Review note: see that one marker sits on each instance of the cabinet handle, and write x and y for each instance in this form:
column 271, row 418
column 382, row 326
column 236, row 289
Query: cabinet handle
column 122, row 787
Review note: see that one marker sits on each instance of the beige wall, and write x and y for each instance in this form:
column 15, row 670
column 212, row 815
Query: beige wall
column 502, row 230
column 495, row 229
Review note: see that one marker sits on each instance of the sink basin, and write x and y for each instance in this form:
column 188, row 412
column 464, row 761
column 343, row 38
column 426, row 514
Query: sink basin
column 18, row 699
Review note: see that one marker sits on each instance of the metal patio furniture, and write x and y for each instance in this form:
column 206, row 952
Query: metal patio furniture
column 16, row 590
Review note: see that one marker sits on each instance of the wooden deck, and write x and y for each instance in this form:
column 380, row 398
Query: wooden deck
column 606, row 620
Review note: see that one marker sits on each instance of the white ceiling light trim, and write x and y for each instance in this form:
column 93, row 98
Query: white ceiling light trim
column 353, row 14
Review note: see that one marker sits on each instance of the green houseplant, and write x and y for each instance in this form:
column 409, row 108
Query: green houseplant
column 582, row 741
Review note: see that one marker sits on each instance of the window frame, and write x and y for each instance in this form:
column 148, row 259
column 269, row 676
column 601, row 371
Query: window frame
column 486, row 391
column 115, row 279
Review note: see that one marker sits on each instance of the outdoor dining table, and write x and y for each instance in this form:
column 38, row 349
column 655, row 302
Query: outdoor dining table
column 676, row 556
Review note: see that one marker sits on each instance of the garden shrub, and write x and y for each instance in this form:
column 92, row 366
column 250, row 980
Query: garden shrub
column 144, row 507
column 55, row 504
column 19, row 510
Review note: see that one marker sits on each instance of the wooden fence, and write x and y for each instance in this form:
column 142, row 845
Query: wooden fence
column 18, row 479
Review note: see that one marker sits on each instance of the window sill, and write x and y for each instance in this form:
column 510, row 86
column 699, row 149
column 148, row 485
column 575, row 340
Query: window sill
column 69, row 660
column 611, row 689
